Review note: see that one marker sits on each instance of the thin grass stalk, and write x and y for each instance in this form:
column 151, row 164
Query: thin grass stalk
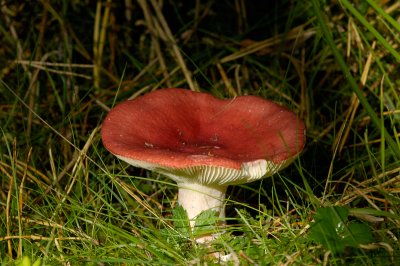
column 8, row 219
column 381, row 108
column 21, row 200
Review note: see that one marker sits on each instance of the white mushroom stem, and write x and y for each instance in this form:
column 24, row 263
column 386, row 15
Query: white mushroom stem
column 195, row 198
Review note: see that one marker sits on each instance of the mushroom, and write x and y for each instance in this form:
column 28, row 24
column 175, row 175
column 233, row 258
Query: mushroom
column 203, row 143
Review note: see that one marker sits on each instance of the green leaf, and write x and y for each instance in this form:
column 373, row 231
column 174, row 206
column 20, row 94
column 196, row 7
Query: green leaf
column 181, row 221
column 332, row 229
column 38, row 262
column 358, row 234
column 205, row 222
column 26, row 261
column 328, row 227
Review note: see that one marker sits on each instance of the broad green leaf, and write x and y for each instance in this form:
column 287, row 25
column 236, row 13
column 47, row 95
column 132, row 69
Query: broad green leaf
column 181, row 221
column 26, row 261
column 205, row 222
column 332, row 229
column 358, row 234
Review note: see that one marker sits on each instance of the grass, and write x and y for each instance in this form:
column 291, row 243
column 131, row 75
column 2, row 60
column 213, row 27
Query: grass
column 67, row 201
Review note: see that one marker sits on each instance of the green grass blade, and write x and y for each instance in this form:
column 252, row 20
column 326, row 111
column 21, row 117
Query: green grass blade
column 367, row 25
column 353, row 84
column 385, row 15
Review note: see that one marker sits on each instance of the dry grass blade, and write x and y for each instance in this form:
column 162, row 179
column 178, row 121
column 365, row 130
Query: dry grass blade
column 52, row 225
column 60, row 72
column 155, row 30
column 368, row 192
column 161, row 28
column 128, row 189
column 53, row 64
column 99, row 35
column 226, row 81
column 41, row 238
column 79, row 164
column 298, row 34
column 8, row 219
column 21, row 200
column 13, row 31
column 351, row 112
column 34, row 175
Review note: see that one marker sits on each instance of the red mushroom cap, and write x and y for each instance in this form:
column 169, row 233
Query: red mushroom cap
column 179, row 129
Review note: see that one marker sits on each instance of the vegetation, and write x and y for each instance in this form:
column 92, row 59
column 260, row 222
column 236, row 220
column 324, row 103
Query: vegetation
column 65, row 200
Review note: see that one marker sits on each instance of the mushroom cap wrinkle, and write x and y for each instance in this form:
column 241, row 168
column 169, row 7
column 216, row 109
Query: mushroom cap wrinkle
column 193, row 137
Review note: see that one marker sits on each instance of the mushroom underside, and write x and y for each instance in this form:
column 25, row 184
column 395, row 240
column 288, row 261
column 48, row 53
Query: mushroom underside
column 212, row 174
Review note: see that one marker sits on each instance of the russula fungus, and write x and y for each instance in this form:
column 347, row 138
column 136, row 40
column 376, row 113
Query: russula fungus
column 203, row 143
